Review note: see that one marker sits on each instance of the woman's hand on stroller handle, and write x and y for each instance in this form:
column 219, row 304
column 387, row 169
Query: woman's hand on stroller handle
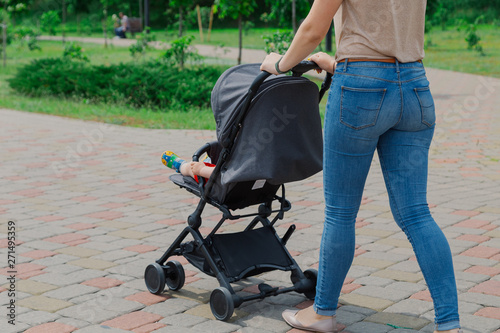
column 269, row 63
column 318, row 61
column 324, row 61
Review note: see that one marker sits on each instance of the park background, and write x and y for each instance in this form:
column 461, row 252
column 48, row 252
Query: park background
column 93, row 206
column 154, row 80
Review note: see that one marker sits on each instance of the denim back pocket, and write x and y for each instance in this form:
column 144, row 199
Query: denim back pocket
column 359, row 107
column 427, row 108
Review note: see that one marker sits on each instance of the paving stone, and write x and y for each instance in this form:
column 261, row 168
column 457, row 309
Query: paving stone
column 43, row 303
column 175, row 329
column 377, row 304
column 410, row 306
column 397, row 320
column 101, row 329
column 51, row 327
column 34, row 318
column 370, row 262
column 171, row 306
column 364, row 327
column 479, row 324
column 348, row 317
column 78, row 251
column 399, row 275
column 183, row 320
column 68, row 292
column 92, row 263
column 73, row 322
column 373, row 281
column 388, row 293
column 68, row 279
column 33, row 287
column 132, row 320
column 88, row 311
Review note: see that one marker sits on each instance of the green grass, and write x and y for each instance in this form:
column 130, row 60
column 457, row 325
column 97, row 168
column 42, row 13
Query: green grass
column 448, row 50
column 109, row 113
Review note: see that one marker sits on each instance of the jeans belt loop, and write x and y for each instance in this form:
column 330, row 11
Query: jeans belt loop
column 345, row 65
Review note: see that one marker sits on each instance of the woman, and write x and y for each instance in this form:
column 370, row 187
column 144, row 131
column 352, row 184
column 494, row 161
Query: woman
column 379, row 100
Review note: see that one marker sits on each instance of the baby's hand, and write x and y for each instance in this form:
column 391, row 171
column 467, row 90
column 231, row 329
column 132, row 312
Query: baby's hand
column 324, row 61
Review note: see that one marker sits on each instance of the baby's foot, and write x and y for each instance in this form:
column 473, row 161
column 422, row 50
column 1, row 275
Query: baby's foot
column 171, row 160
column 186, row 169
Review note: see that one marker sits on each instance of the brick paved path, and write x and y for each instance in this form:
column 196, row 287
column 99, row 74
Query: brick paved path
column 93, row 206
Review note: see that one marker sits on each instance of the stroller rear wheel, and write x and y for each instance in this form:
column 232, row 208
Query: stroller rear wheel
column 174, row 275
column 312, row 275
column 154, row 276
column 221, row 303
column 306, row 286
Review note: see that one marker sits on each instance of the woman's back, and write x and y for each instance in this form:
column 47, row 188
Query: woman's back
column 381, row 29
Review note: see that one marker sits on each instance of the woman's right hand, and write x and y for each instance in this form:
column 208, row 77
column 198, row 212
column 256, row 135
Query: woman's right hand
column 324, row 61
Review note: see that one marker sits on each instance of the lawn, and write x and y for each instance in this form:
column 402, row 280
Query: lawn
column 115, row 114
column 445, row 50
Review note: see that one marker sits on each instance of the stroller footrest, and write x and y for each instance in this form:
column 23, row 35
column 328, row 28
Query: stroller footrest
column 266, row 289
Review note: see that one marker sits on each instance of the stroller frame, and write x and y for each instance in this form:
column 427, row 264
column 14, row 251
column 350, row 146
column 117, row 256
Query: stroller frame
column 210, row 254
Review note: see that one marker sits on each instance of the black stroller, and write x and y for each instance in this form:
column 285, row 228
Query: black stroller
column 269, row 133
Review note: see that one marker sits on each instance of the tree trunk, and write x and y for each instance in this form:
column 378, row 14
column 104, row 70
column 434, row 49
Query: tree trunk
column 4, row 43
column 180, row 22
column 4, row 35
column 210, row 22
column 240, row 46
column 63, row 21
column 294, row 18
column 78, row 19
column 141, row 13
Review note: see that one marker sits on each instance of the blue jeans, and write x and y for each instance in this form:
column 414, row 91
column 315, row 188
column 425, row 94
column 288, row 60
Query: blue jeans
column 120, row 32
column 389, row 108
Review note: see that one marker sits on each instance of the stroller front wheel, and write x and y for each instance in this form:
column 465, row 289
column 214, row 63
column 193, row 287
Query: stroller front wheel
column 174, row 275
column 221, row 303
column 154, row 276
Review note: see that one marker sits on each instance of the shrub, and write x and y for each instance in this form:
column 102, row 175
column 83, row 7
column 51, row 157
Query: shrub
column 27, row 35
column 50, row 21
column 141, row 46
column 148, row 84
column 74, row 51
column 471, row 37
column 180, row 51
column 278, row 42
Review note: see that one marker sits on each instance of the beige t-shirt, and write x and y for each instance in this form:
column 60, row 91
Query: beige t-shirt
column 380, row 29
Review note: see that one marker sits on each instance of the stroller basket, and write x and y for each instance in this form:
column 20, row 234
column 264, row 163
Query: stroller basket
column 269, row 133
column 242, row 254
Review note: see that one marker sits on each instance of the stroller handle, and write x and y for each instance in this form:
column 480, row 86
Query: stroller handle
column 303, row 67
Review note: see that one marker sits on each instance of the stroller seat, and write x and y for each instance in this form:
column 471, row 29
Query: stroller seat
column 268, row 134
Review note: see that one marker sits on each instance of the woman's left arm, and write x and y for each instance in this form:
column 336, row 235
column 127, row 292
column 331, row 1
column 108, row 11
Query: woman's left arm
column 310, row 34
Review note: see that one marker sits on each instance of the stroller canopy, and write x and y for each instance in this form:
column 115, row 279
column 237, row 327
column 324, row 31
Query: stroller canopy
column 280, row 139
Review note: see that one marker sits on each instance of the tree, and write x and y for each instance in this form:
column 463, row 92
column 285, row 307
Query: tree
column 9, row 8
column 236, row 9
column 282, row 10
column 105, row 5
column 181, row 5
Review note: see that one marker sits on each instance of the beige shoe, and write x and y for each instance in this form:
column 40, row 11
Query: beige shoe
column 322, row 326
